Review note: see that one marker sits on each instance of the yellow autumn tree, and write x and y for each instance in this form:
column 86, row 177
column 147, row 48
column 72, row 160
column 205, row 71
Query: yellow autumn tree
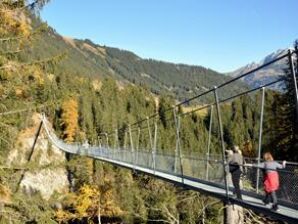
column 108, row 204
column 69, row 119
column 17, row 33
column 83, row 204
column 14, row 22
column 89, row 202
column 5, row 194
column 14, row 32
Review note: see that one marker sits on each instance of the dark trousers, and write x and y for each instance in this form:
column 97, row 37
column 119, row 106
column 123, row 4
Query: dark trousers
column 236, row 182
column 271, row 197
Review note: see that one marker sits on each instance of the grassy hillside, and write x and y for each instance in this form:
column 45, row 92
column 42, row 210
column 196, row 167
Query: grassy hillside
column 89, row 59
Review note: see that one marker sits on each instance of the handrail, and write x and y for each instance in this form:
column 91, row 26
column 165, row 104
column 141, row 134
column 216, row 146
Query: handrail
column 195, row 167
column 219, row 87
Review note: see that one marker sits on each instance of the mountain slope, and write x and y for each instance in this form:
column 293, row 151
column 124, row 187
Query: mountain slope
column 266, row 75
column 89, row 59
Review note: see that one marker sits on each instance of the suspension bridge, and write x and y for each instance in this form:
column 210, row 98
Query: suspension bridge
column 206, row 173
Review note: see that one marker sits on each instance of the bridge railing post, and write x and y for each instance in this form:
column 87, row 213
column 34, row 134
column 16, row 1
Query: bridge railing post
column 154, row 146
column 149, row 132
column 150, row 141
column 99, row 141
column 177, row 141
column 107, row 145
column 260, row 138
column 225, row 165
column 178, row 154
column 107, row 140
column 138, row 145
column 131, row 147
column 293, row 73
column 209, row 143
column 180, row 148
column 125, row 141
column 116, row 144
column 138, row 141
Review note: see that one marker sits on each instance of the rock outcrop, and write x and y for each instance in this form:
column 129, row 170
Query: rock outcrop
column 46, row 173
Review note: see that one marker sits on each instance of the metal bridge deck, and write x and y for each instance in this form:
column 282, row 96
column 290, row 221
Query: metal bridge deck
column 287, row 212
column 284, row 213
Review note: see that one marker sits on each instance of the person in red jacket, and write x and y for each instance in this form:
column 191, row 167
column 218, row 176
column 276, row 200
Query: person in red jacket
column 271, row 179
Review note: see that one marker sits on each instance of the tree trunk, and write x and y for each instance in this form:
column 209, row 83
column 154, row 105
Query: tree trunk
column 233, row 214
column 203, row 215
column 98, row 212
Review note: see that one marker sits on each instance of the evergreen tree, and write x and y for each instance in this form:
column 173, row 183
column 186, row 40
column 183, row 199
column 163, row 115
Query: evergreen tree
column 284, row 118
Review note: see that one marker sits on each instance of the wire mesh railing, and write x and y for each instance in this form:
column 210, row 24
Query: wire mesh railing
column 179, row 158
column 192, row 167
column 288, row 177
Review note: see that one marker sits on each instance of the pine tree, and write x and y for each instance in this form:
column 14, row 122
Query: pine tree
column 291, row 105
column 284, row 119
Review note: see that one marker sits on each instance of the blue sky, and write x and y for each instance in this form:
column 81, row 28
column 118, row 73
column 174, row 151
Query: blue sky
column 222, row 35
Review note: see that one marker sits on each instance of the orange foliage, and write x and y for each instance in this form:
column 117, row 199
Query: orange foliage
column 5, row 194
column 108, row 206
column 69, row 119
column 13, row 22
column 248, row 150
column 89, row 202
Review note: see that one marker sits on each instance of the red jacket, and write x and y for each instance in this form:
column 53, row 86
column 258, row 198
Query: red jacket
column 271, row 181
